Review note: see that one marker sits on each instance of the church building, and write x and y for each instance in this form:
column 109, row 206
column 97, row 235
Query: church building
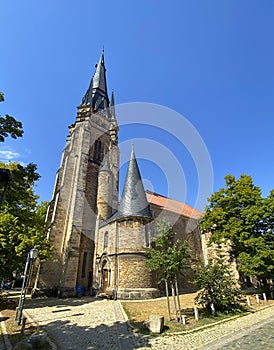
column 100, row 241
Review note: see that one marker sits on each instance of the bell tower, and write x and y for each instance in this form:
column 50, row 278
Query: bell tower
column 90, row 158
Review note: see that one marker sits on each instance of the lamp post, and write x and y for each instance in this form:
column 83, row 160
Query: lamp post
column 6, row 179
column 32, row 255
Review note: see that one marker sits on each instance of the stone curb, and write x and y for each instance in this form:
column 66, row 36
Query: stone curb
column 218, row 322
column 123, row 312
column 135, row 336
column 129, row 327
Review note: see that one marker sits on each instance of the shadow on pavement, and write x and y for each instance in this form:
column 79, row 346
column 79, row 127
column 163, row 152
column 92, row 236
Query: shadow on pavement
column 57, row 302
column 75, row 337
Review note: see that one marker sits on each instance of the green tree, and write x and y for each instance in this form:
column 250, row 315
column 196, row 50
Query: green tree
column 9, row 126
column 240, row 215
column 22, row 220
column 169, row 258
column 258, row 258
column 218, row 291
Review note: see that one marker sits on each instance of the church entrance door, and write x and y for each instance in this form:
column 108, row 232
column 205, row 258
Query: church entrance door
column 105, row 280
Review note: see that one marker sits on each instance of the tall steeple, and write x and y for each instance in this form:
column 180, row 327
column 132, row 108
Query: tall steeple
column 88, row 190
column 96, row 94
column 133, row 201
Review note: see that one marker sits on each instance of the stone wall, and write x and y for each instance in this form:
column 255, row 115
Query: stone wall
column 210, row 252
column 185, row 229
column 131, row 235
column 133, row 273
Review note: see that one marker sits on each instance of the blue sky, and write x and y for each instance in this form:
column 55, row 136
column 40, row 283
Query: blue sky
column 210, row 61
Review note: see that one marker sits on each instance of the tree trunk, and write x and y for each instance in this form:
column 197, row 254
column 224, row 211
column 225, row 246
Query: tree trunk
column 265, row 285
column 174, row 300
column 178, row 298
column 167, row 300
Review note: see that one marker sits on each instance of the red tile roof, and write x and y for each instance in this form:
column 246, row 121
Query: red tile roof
column 173, row 205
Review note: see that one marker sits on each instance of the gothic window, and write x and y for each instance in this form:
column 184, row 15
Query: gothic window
column 84, row 265
column 98, row 154
column 106, row 240
column 101, row 153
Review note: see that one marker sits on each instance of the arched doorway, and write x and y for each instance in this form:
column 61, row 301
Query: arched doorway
column 105, row 275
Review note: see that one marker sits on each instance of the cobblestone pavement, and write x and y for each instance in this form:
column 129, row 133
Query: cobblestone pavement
column 260, row 336
column 239, row 333
column 89, row 323
column 85, row 323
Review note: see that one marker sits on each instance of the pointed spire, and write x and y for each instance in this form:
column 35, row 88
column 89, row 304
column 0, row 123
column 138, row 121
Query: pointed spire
column 96, row 94
column 99, row 78
column 112, row 106
column 134, row 201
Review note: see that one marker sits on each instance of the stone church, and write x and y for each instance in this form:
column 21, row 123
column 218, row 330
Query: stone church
column 100, row 241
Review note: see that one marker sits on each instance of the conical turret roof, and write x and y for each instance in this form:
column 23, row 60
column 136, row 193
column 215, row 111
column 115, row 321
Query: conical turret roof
column 133, row 201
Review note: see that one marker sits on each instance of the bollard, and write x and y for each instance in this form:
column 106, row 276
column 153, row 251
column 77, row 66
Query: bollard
column 213, row 308
column 257, row 298
column 248, row 301
column 16, row 312
column 196, row 313
column 184, row 319
column 23, row 325
column 264, row 296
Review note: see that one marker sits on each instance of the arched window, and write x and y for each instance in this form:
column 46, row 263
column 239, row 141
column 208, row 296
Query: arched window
column 84, row 264
column 147, row 237
column 106, row 240
column 98, row 153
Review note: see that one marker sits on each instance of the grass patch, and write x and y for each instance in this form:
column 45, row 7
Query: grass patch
column 139, row 311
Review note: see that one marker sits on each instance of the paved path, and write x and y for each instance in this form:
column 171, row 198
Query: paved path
column 228, row 335
column 89, row 323
column 84, row 323
column 258, row 336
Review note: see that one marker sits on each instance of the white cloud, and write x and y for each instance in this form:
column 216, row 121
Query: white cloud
column 8, row 155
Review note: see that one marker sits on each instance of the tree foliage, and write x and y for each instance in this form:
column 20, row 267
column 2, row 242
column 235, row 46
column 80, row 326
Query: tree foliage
column 9, row 126
column 217, row 286
column 240, row 214
column 22, row 220
column 169, row 257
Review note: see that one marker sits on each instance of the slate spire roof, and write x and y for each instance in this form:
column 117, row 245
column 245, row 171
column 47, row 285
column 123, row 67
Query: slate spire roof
column 133, row 201
column 96, row 94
